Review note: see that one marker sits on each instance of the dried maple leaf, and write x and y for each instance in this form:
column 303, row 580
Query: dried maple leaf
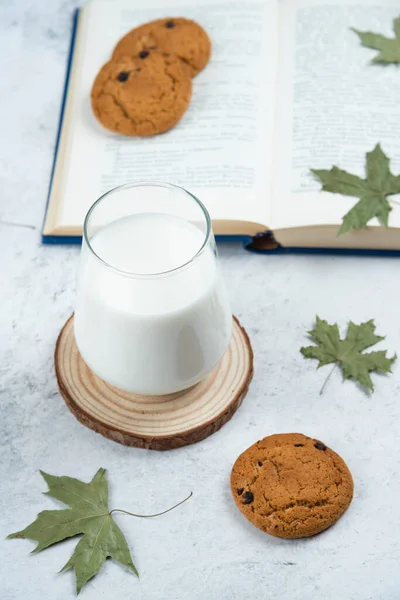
column 389, row 48
column 88, row 514
column 348, row 353
column 372, row 191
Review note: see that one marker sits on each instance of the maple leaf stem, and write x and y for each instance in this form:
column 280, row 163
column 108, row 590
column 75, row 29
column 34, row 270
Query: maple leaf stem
column 150, row 516
column 327, row 379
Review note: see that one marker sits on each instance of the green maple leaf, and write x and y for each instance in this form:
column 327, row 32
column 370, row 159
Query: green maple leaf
column 372, row 191
column 348, row 353
column 389, row 48
column 89, row 515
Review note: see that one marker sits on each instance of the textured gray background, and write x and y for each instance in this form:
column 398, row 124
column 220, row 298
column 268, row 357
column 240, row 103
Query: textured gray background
column 205, row 549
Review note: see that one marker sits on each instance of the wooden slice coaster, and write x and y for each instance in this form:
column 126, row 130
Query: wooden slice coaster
column 154, row 422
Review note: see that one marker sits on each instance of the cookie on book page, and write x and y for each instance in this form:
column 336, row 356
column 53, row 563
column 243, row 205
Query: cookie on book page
column 291, row 486
column 141, row 95
column 183, row 37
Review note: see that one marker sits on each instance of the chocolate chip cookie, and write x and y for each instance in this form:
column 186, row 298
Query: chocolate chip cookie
column 291, row 486
column 179, row 36
column 141, row 94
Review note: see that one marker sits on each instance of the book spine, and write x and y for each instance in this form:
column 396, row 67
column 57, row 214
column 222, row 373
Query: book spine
column 263, row 242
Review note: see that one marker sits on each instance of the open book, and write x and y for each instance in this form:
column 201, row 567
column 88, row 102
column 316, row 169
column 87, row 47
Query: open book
column 288, row 88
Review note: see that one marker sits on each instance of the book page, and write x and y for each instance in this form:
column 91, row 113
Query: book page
column 333, row 105
column 220, row 150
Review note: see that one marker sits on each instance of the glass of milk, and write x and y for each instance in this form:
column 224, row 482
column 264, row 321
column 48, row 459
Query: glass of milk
column 152, row 314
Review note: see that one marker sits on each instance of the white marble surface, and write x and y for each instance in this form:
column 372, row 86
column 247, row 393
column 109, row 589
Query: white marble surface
column 205, row 549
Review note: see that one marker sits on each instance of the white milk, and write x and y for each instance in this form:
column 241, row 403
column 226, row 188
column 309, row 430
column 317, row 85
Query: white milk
column 151, row 335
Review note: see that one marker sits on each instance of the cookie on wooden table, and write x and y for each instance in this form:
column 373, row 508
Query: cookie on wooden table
column 141, row 95
column 291, row 486
column 179, row 36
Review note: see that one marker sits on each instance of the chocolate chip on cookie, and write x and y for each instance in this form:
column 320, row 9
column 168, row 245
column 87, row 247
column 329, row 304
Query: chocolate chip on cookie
column 141, row 95
column 248, row 498
column 123, row 76
column 179, row 36
column 319, row 446
column 302, row 488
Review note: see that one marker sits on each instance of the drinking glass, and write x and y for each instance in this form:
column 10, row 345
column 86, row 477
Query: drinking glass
column 152, row 314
